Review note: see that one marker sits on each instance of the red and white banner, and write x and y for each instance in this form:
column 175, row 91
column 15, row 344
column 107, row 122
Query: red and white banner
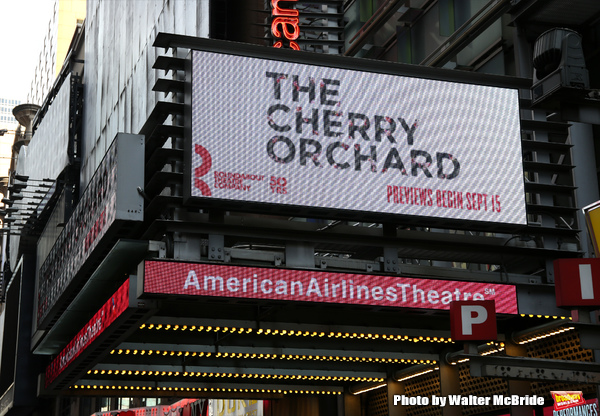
column 577, row 282
column 473, row 320
column 196, row 279
column 112, row 309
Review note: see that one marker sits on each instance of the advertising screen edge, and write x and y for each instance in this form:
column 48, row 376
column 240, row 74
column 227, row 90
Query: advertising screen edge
column 322, row 211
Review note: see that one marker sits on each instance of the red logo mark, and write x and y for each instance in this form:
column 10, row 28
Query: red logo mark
column 566, row 399
column 202, row 170
column 278, row 185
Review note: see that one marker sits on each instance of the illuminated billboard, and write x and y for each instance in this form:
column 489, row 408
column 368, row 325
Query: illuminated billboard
column 269, row 132
column 197, row 279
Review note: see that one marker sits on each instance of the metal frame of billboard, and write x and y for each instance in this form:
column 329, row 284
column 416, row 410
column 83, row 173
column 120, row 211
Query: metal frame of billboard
column 330, row 91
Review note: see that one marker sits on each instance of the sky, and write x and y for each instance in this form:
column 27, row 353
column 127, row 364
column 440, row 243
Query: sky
column 23, row 26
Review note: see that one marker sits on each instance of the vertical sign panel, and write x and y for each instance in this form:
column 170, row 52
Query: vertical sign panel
column 473, row 320
column 110, row 197
column 577, row 282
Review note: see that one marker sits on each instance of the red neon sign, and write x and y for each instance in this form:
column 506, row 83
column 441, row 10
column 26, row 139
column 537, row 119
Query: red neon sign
column 285, row 25
column 196, row 279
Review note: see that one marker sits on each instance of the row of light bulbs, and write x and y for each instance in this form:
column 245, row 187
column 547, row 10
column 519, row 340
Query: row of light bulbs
column 234, row 375
column 270, row 356
column 202, row 389
column 319, row 334
column 525, row 315
column 495, row 347
column 291, row 332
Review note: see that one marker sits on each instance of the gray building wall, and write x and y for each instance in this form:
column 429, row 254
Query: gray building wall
column 118, row 79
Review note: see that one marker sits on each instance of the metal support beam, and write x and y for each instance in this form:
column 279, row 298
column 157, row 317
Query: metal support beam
column 395, row 388
column 390, row 253
column 379, row 18
column 583, row 155
column 351, row 404
column 535, row 369
column 410, row 243
column 467, row 32
column 449, row 385
column 584, row 111
column 299, row 254
column 390, row 258
column 518, row 387
column 216, row 247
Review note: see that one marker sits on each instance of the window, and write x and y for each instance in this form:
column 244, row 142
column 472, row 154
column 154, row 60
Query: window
column 446, row 9
column 367, row 8
column 404, row 45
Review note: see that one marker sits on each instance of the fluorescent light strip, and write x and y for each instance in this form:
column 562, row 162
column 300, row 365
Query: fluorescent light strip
column 366, row 389
column 419, row 373
column 545, row 335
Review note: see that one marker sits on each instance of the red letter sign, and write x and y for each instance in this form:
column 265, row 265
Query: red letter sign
column 289, row 25
column 279, row 11
column 473, row 320
column 577, row 282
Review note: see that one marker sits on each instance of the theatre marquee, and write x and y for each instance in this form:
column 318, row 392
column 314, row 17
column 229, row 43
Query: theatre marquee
column 210, row 280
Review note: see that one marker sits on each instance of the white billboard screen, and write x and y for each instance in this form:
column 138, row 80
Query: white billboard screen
column 274, row 132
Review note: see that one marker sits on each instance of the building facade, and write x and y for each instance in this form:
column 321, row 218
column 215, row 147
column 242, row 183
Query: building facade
column 277, row 207
column 10, row 123
column 66, row 16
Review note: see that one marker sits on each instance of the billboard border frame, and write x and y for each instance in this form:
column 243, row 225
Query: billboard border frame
column 337, row 62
